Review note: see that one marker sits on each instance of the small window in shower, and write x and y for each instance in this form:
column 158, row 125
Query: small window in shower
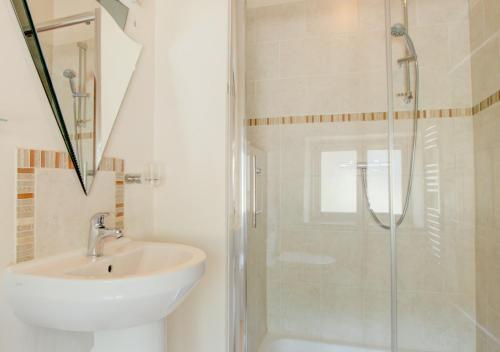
column 338, row 181
column 378, row 180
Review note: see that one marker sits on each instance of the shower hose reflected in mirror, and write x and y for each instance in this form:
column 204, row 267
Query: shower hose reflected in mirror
column 70, row 75
column 400, row 30
column 79, row 97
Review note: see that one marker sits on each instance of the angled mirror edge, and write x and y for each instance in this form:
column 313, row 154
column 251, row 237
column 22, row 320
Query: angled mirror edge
column 27, row 27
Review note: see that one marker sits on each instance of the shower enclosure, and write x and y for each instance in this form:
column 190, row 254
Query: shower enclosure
column 366, row 140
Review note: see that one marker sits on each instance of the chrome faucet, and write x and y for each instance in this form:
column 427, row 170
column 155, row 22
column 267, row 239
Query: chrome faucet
column 98, row 232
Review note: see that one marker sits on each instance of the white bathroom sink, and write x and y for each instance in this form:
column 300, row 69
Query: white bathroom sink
column 134, row 283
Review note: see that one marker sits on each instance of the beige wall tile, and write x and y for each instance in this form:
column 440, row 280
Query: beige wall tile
column 459, row 44
column 431, row 42
column 477, row 24
column 284, row 97
column 443, row 11
column 485, row 71
column 332, row 16
column 262, row 61
column 370, row 14
column 335, row 94
column 334, row 48
column 492, row 16
column 460, row 82
column 342, row 313
column 304, row 57
column 57, row 229
column 280, row 22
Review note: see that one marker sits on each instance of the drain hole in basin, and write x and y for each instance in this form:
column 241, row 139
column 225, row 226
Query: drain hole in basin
column 110, row 268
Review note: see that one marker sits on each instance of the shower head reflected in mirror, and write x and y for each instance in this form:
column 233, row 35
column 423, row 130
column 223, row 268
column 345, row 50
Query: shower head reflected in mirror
column 70, row 74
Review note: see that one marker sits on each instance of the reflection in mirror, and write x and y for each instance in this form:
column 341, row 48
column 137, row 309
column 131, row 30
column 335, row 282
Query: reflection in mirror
column 117, row 10
column 338, row 181
column 85, row 62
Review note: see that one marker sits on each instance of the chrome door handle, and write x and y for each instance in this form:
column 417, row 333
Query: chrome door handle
column 256, row 172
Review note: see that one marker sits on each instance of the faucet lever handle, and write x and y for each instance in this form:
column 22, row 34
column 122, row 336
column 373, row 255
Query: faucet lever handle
column 98, row 219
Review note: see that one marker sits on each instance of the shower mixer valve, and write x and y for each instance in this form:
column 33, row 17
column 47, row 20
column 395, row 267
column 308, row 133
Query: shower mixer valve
column 407, row 96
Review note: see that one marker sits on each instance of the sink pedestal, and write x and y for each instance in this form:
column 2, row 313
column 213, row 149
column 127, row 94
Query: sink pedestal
column 144, row 338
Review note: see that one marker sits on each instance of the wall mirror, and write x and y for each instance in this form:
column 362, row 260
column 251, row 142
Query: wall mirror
column 85, row 62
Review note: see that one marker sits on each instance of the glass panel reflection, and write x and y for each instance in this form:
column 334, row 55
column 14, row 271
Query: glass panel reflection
column 338, row 182
column 378, row 174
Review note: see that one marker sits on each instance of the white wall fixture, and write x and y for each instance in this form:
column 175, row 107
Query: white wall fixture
column 123, row 296
column 152, row 176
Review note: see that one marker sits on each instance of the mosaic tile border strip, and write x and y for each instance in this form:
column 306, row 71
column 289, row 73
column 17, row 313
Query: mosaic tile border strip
column 486, row 103
column 118, row 166
column 28, row 160
column 377, row 116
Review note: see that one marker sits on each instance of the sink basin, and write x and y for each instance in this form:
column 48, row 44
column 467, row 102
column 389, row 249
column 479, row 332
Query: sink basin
column 133, row 284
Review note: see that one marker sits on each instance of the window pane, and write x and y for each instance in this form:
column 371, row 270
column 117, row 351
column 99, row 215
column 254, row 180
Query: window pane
column 338, row 182
column 378, row 181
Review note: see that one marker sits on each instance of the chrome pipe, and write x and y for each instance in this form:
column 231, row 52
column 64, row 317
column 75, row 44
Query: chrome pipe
column 407, row 91
column 254, row 191
column 69, row 21
column 256, row 172
column 390, row 147
column 407, row 59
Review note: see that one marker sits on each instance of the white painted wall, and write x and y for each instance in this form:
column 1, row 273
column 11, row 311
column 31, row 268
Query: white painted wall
column 180, row 80
column 32, row 125
column 132, row 136
column 190, row 141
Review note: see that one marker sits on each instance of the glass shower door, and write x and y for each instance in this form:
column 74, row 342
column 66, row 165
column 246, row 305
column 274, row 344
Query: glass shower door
column 447, row 246
column 347, row 258
column 316, row 118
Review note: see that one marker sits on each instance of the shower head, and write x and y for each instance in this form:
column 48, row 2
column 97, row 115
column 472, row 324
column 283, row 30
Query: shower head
column 70, row 74
column 398, row 30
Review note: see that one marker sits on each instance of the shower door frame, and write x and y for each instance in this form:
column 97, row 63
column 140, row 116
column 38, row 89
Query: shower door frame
column 392, row 172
